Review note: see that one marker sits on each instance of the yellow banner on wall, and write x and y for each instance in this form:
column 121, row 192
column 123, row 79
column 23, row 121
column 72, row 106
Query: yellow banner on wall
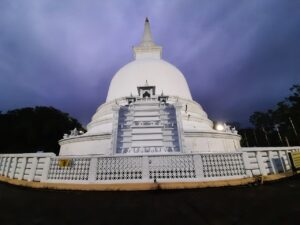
column 64, row 162
column 295, row 158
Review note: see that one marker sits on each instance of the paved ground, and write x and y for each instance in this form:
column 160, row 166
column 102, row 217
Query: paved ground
column 273, row 203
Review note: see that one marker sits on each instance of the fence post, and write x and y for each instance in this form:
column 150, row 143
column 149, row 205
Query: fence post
column 46, row 169
column 288, row 159
column 3, row 166
column 145, row 168
column 1, row 160
column 270, row 156
column 198, row 166
column 3, row 163
column 33, row 169
column 8, row 167
column 13, row 169
column 281, row 156
column 93, row 170
column 22, row 170
column 247, row 164
column 261, row 165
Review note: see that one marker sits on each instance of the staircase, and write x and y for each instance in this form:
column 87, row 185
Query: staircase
column 147, row 126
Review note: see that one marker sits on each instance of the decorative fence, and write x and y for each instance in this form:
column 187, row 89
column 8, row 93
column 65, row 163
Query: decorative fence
column 46, row 167
column 31, row 167
column 265, row 161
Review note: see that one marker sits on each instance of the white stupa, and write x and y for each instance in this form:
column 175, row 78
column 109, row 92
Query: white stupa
column 149, row 134
column 149, row 110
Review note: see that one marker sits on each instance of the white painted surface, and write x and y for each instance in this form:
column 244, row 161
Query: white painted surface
column 148, row 66
column 199, row 136
column 86, row 145
column 166, row 77
column 44, row 167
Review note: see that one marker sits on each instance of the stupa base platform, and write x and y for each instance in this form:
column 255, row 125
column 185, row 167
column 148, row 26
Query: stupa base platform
column 146, row 186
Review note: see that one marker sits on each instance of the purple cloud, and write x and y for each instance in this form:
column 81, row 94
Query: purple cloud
column 238, row 56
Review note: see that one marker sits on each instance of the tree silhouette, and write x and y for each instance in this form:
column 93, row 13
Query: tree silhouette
column 34, row 129
column 277, row 127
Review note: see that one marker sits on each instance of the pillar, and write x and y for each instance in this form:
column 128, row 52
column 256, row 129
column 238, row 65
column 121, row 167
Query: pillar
column 145, row 168
column 93, row 170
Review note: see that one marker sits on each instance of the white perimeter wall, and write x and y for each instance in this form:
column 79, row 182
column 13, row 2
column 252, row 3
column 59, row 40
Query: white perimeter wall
column 44, row 167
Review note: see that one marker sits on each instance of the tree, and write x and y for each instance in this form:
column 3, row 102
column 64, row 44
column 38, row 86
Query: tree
column 294, row 101
column 34, row 129
column 279, row 126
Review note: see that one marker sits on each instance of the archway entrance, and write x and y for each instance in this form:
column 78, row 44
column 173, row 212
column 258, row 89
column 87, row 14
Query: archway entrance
column 146, row 95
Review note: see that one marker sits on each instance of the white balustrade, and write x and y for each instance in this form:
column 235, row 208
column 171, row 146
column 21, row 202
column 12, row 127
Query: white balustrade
column 45, row 167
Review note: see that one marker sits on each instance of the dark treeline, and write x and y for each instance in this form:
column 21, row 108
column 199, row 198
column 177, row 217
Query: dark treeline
column 34, row 129
column 275, row 127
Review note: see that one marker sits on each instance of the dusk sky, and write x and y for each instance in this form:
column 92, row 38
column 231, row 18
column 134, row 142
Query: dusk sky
column 237, row 56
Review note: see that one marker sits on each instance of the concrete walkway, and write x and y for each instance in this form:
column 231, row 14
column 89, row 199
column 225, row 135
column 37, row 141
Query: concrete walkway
column 271, row 203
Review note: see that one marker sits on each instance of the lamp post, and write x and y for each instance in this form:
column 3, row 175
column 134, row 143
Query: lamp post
column 255, row 137
column 266, row 136
column 287, row 141
column 294, row 129
column 276, row 127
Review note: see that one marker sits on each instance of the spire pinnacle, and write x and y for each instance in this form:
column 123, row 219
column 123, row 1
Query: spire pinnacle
column 147, row 36
column 147, row 48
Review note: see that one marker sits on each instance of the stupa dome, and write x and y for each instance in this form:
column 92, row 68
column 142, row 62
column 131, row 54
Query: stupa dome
column 149, row 110
column 168, row 79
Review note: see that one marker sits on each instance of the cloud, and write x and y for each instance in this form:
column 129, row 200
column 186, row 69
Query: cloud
column 238, row 56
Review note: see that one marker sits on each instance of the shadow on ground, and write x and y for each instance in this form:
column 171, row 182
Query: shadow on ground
column 272, row 203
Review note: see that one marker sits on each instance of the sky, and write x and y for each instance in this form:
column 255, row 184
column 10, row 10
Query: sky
column 238, row 56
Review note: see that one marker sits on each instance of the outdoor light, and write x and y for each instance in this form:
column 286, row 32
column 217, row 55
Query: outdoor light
column 219, row 127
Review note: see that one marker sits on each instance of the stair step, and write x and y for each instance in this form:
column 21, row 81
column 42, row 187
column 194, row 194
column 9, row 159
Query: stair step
column 147, row 123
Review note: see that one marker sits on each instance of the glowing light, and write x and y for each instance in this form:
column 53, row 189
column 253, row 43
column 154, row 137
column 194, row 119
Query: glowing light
column 219, row 127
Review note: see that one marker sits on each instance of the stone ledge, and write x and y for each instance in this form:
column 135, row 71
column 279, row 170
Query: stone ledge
column 89, row 137
column 211, row 134
column 142, row 186
column 278, row 176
